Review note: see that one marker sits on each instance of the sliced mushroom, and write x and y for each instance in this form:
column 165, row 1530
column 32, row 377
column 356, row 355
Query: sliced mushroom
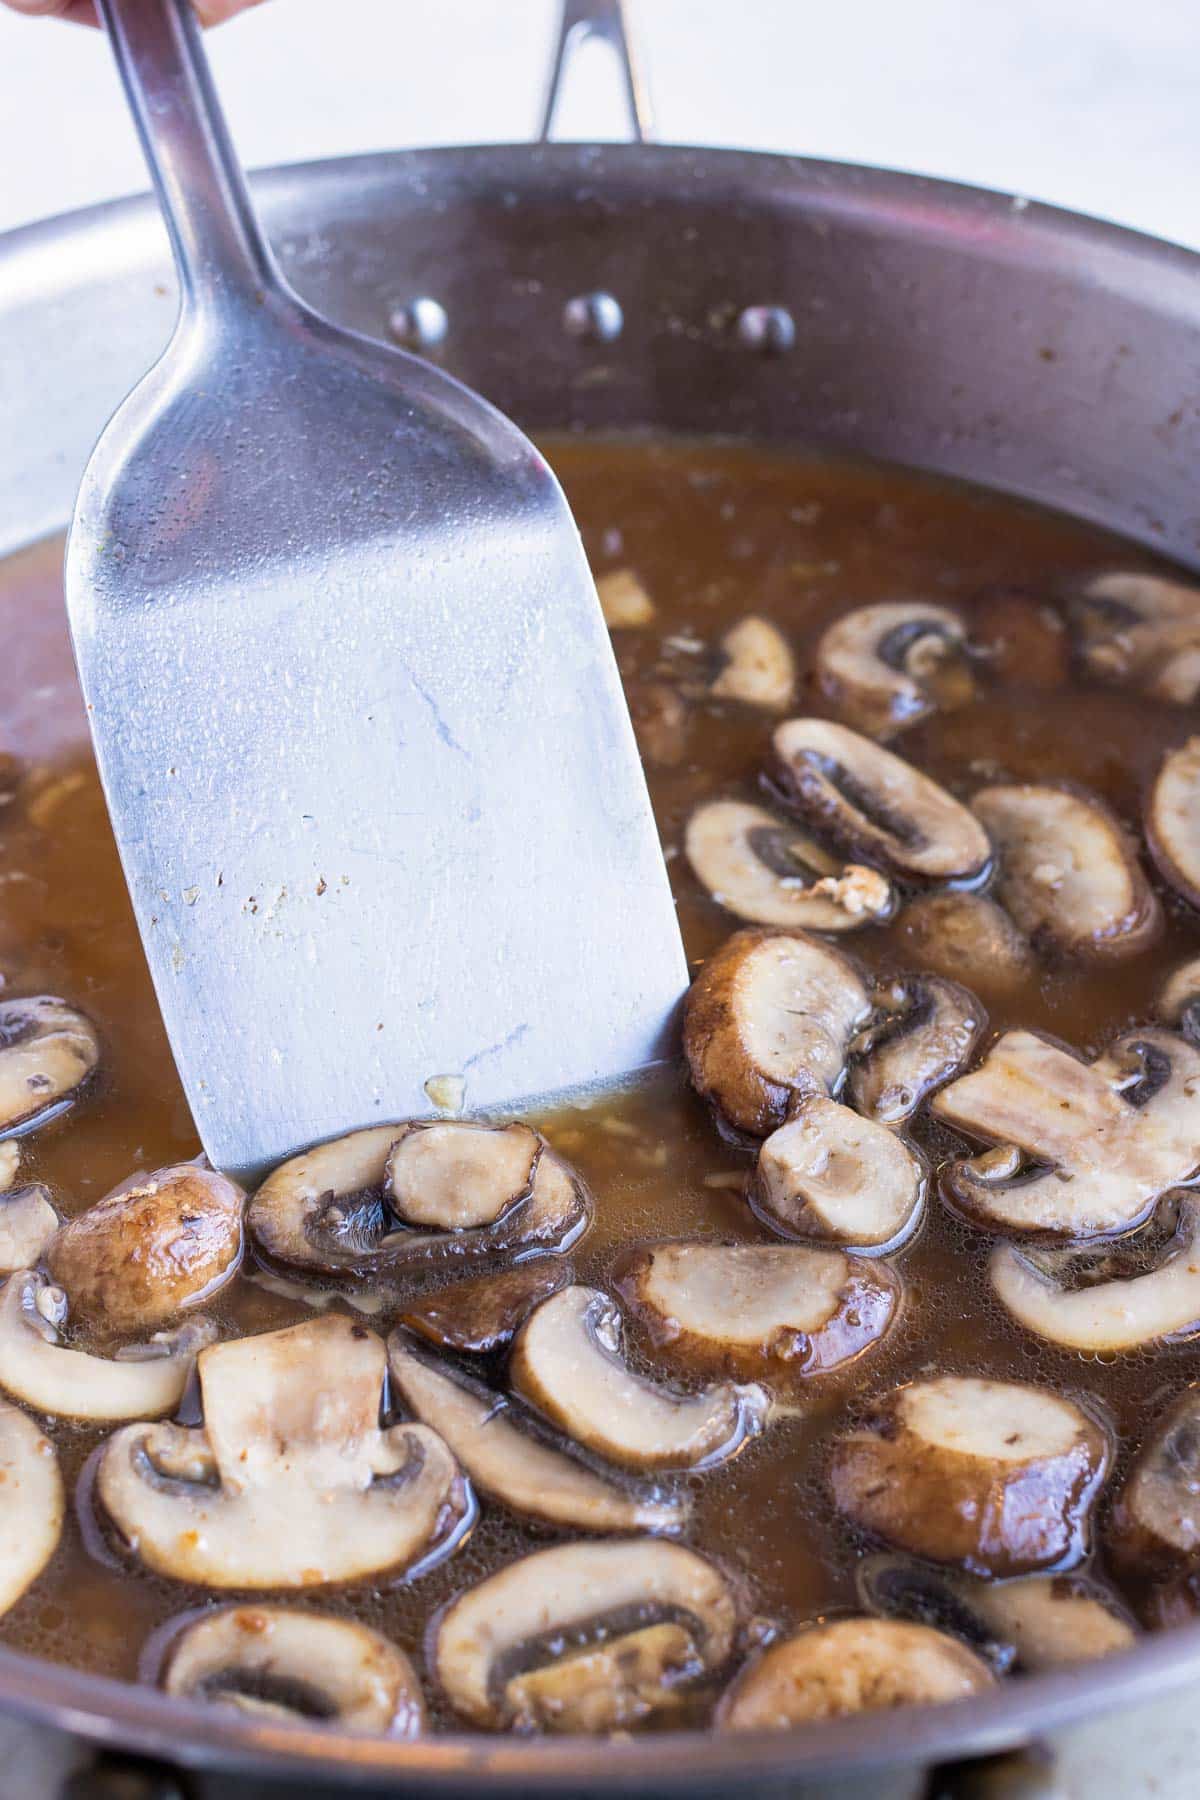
column 775, row 1313
column 1143, row 630
column 831, row 1174
column 28, row 1222
column 567, row 1362
column 274, row 1662
column 1106, row 1300
column 923, row 1033
column 451, row 1175
column 480, row 1316
column 1085, row 1148
column 850, row 1666
column 31, row 1503
column 997, row 1476
column 759, row 668
column 889, row 666
column 624, row 601
column 37, row 1367
column 765, row 870
column 967, row 938
column 290, row 1482
column 151, row 1250
column 1173, row 817
column 47, row 1052
column 1155, row 1525
column 769, row 1016
column 585, row 1637
column 874, row 804
column 1178, row 1003
column 327, row 1210
column 1069, row 873
column 509, row 1456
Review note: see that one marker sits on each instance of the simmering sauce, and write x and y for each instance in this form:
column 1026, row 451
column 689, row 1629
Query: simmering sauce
column 714, row 532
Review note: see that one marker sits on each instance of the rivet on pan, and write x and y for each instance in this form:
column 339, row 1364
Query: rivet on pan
column 418, row 324
column 767, row 329
column 597, row 318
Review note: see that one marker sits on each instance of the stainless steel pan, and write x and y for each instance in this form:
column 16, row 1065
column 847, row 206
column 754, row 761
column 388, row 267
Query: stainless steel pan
column 678, row 290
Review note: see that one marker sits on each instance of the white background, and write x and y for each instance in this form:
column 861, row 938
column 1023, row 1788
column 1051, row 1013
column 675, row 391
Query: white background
column 1091, row 103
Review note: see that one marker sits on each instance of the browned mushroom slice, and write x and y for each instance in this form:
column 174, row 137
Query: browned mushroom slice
column 769, row 1016
column 1155, row 1523
column 585, row 1638
column 997, row 1476
column 567, row 1362
column 48, row 1050
column 1178, row 1002
column 831, row 1174
column 290, row 1481
column 451, row 1175
column 148, row 1251
column 967, row 938
column 1143, row 630
column 759, row 668
column 1085, row 1148
column 1069, row 873
column 923, row 1033
column 275, row 1663
column 480, row 1316
column 1117, row 1296
column 873, row 804
column 509, row 1457
column 850, row 1666
column 1173, row 819
column 765, row 870
column 28, row 1223
column 31, row 1503
column 775, row 1313
column 887, row 667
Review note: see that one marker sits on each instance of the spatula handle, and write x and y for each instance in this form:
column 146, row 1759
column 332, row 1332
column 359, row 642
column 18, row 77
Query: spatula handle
column 222, row 256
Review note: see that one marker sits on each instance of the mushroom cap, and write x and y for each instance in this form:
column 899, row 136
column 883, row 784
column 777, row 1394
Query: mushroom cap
column 32, row 1503
column 997, row 1476
column 832, row 1175
column 924, row 1031
column 290, row 1482
column 1173, row 818
column 759, row 668
column 887, row 667
column 509, row 1458
column 1069, row 873
column 48, row 1050
column 777, row 1313
column 850, row 1666
column 587, row 1619
column 1155, row 1524
column 768, row 1016
column 133, row 1260
column 287, row 1664
column 967, row 938
column 873, row 803
column 1140, row 628
column 481, row 1315
column 766, row 870
column 567, row 1362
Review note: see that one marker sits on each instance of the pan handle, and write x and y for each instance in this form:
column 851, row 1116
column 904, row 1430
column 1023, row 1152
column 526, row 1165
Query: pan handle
column 608, row 20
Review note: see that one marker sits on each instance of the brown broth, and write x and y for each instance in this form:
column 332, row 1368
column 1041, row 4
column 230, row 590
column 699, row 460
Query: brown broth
column 714, row 531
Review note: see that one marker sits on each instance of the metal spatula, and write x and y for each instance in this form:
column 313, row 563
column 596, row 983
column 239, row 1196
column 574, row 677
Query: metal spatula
column 363, row 740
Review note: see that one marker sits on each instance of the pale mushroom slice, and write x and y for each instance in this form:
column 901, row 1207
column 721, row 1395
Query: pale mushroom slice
column 32, row 1503
column 481, row 1316
column 1155, row 1522
column 276, row 1663
column 48, row 1050
column 28, row 1222
column 567, row 1361
column 776, row 1313
column 850, row 1666
column 832, row 1175
column 1142, row 630
column 967, row 938
column 456, row 1175
column 624, row 601
column 889, row 666
column 1117, row 1297
column 997, row 1476
column 875, row 805
column 924, row 1031
column 1068, row 872
column 36, row 1366
column 758, row 666
column 1178, row 1002
column 148, row 1251
column 508, row 1455
column 1173, row 819
column 770, row 1016
column 327, row 1210
column 585, row 1638
column 1085, row 1149
column 291, row 1481
column 767, row 871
